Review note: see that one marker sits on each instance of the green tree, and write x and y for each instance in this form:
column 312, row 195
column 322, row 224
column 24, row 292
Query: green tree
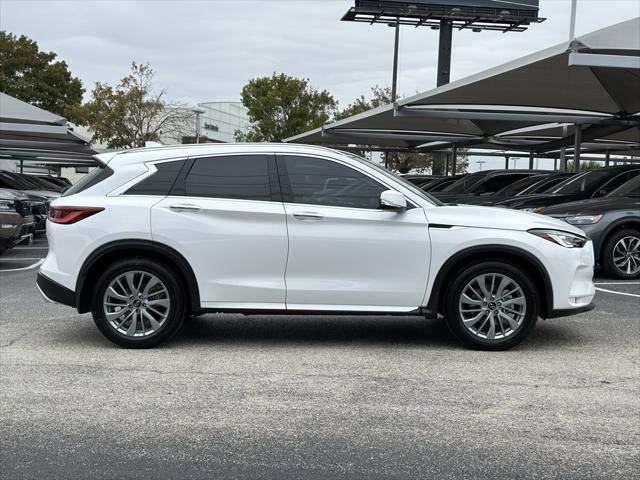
column 584, row 165
column 35, row 77
column 281, row 106
column 132, row 113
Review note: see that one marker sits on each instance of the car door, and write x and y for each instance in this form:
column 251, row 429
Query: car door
column 225, row 215
column 345, row 253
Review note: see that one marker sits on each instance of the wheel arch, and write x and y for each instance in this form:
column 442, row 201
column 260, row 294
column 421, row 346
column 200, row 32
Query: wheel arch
column 513, row 255
column 103, row 255
column 619, row 224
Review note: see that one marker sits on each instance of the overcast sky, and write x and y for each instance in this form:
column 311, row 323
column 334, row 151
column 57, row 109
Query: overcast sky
column 207, row 50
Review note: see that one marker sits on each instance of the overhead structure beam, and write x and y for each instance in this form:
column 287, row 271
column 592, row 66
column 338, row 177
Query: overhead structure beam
column 401, row 136
column 513, row 116
column 605, row 61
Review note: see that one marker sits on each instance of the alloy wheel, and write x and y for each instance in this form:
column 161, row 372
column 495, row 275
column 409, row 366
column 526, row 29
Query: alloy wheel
column 626, row 255
column 492, row 306
column 136, row 303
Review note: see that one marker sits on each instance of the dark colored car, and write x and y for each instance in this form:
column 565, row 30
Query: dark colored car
column 439, row 184
column 525, row 186
column 39, row 199
column 62, row 182
column 613, row 223
column 581, row 186
column 418, row 179
column 481, row 183
column 16, row 221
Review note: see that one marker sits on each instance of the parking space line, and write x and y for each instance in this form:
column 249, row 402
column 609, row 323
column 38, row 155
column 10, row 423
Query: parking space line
column 616, row 283
column 29, row 267
column 30, row 248
column 617, row 293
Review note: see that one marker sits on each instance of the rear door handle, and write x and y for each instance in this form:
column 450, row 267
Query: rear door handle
column 308, row 216
column 185, row 207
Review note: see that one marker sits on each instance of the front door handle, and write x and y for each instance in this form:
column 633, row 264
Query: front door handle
column 308, row 215
column 185, row 207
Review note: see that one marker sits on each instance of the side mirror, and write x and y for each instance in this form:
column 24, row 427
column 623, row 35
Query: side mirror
column 392, row 200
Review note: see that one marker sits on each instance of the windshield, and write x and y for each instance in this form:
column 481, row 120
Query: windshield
column 520, row 185
column 465, row 183
column 629, row 189
column 583, row 182
column 405, row 183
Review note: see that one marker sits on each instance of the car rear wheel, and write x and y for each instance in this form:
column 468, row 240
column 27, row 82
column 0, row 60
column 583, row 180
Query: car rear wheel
column 138, row 303
column 621, row 254
column 491, row 305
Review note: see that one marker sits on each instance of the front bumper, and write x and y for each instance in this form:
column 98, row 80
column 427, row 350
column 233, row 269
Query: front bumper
column 567, row 312
column 54, row 292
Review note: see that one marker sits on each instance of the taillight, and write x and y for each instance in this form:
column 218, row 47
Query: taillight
column 68, row 215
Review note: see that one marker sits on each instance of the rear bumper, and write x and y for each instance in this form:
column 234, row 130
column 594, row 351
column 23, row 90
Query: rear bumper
column 54, row 292
column 567, row 312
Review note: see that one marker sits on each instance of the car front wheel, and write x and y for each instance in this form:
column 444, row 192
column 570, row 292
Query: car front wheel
column 138, row 303
column 621, row 254
column 492, row 305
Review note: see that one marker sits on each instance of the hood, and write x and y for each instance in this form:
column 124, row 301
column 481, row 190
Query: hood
column 497, row 218
column 42, row 195
column 7, row 194
column 593, row 206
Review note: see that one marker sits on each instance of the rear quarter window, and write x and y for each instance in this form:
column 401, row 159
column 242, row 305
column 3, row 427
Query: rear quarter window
column 92, row 178
column 161, row 182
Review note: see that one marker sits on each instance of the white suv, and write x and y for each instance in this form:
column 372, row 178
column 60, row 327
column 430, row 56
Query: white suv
column 157, row 234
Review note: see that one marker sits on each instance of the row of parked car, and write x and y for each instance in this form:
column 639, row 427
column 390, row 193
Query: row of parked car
column 604, row 203
column 24, row 203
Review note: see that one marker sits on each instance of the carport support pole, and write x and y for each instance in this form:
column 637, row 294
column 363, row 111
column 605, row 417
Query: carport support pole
column 531, row 160
column 576, row 148
column 607, row 158
column 454, row 159
column 21, row 166
column 394, row 80
column 506, row 162
column 446, row 166
column 563, row 153
column 444, row 52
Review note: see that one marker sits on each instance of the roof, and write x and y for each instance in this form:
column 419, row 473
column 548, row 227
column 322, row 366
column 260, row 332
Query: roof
column 538, row 89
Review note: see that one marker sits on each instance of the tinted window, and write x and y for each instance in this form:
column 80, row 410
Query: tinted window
column 582, row 182
column 514, row 188
column 160, row 182
column 244, row 177
column 92, row 178
column 465, row 184
column 496, row 182
column 617, row 181
column 324, row 182
column 631, row 188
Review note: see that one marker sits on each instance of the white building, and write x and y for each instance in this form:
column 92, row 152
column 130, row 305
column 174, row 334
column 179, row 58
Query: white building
column 221, row 120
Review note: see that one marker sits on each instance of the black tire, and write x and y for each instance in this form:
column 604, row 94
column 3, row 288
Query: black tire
column 608, row 265
column 454, row 318
column 177, row 310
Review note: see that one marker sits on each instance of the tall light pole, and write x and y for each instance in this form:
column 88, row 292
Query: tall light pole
column 480, row 162
column 198, row 111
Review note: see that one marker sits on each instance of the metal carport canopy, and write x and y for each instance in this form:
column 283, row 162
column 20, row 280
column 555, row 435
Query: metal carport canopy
column 538, row 89
column 31, row 134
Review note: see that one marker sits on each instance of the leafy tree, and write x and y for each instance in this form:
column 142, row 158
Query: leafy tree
column 34, row 76
column 403, row 162
column 130, row 114
column 281, row 106
column 584, row 165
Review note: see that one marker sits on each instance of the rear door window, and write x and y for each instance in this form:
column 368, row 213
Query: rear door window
column 241, row 177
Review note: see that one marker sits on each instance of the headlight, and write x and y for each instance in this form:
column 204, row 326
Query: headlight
column 583, row 219
column 565, row 239
column 6, row 206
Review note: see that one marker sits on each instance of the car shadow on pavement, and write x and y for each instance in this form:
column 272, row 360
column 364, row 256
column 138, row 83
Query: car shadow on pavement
column 390, row 330
column 314, row 329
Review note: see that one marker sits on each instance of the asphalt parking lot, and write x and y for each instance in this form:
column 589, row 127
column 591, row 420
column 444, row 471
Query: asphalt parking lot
column 315, row 397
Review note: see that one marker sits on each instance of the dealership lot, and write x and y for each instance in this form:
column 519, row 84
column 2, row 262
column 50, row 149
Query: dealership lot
column 315, row 397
